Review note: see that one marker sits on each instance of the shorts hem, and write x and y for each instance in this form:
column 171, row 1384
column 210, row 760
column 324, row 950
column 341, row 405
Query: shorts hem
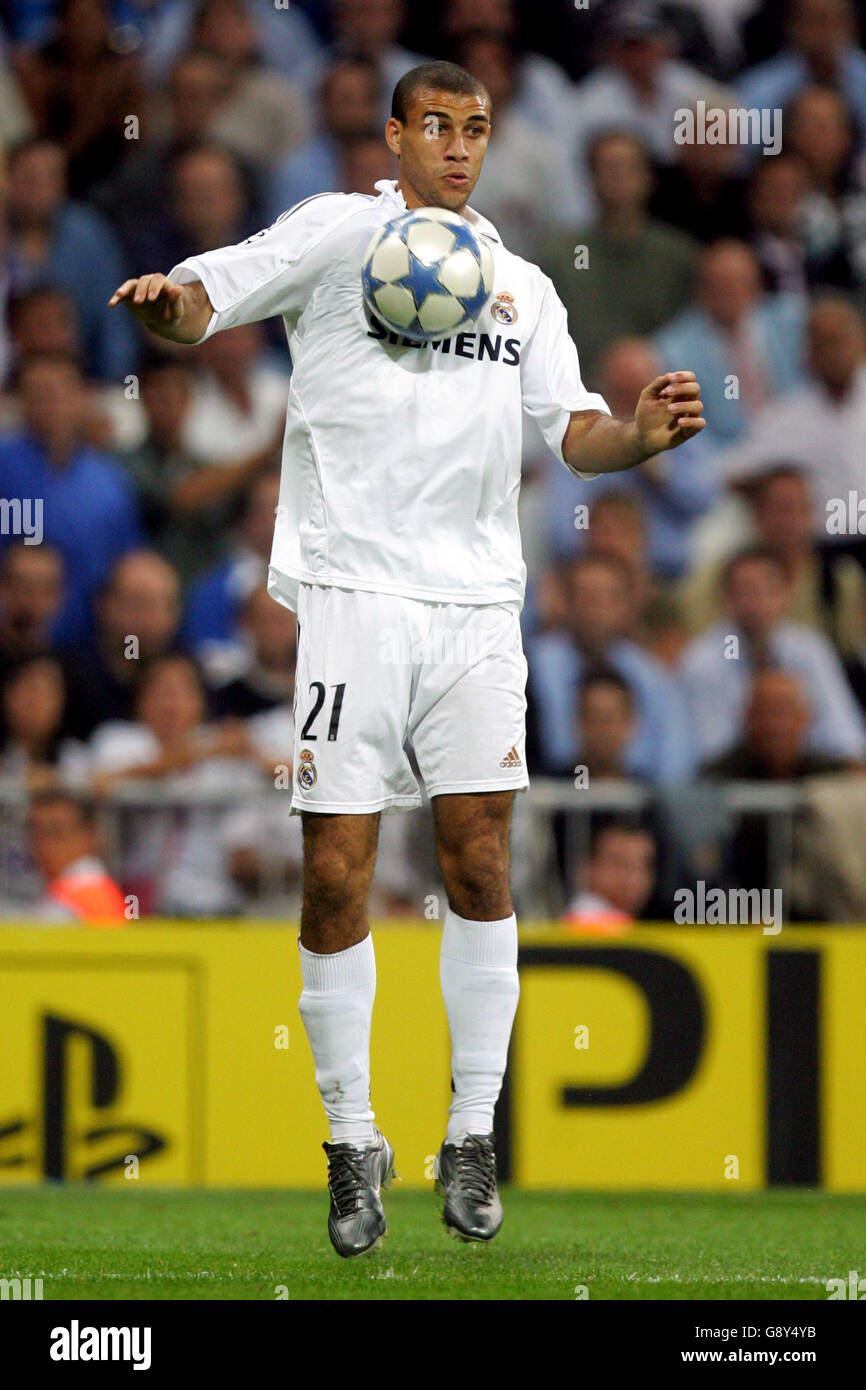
column 497, row 785
column 357, row 808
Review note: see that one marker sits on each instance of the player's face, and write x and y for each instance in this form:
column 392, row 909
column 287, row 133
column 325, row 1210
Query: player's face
column 441, row 148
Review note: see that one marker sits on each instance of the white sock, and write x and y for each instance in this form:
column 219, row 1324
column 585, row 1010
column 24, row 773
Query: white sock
column 337, row 1008
column 478, row 971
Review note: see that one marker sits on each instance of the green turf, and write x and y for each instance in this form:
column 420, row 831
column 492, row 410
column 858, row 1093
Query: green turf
column 91, row 1243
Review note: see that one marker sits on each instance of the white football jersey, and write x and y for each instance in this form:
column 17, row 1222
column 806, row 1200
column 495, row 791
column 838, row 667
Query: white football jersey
column 401, row 463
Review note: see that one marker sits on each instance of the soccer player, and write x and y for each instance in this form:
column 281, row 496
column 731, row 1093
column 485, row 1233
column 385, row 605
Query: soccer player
column 397, row 544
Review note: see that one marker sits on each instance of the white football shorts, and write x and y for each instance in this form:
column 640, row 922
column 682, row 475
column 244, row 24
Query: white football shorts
column 377, row 671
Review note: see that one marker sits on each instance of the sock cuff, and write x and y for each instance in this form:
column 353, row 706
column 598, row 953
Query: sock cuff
column 354, row 968
column 480, row 943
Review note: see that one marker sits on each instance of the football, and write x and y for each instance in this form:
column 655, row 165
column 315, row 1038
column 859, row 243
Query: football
column 427, row 275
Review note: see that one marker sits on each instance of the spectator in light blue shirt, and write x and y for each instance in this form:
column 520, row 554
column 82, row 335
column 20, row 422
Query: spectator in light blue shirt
column 57, row 242
column 349, row 107
column 69, row 494
column 673, row 490
column 287, row 39
column 370, row 31
column 719, row 664
column 821, row 50
column 601, row 614
column 744, row 347
column 215, row 600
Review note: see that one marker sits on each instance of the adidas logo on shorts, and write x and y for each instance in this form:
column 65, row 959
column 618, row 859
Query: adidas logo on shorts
column 511, row 759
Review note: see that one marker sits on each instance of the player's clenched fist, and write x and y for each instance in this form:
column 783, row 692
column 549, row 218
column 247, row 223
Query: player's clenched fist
column 178, row 312
column 669, row 412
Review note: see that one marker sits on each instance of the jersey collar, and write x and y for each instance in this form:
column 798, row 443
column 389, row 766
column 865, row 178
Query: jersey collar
column 391, row 193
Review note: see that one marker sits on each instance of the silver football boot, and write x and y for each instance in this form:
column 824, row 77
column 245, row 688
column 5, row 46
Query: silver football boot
column 356, row 1175
column 465, row 1176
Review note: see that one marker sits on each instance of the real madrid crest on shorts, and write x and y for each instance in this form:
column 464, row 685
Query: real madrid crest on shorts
column 307, row 770
column 503, row 308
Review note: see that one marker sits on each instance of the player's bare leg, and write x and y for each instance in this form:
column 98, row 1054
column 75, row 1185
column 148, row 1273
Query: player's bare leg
column 338, row 969
column 339, row 860
column 478, row 970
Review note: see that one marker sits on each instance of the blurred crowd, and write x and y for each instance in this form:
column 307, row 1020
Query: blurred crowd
column 697, row 622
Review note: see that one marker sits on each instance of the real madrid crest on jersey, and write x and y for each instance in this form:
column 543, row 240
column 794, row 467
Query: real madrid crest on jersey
column 307, row 770
column 504, row 309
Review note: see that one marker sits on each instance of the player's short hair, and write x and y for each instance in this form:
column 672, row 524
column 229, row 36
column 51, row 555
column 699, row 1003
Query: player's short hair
column 440, row 76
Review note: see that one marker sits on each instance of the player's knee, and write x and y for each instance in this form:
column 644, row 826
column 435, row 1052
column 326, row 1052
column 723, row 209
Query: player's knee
column 476, row 876
column 335, row 879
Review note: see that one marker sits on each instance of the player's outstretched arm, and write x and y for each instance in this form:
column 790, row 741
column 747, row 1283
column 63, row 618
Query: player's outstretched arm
column 668, row 413
column 180, row 313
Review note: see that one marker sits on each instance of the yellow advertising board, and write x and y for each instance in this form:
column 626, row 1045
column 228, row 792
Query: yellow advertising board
column 677, row 1058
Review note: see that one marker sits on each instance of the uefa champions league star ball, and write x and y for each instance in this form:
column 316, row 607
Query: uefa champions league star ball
column 427, row 274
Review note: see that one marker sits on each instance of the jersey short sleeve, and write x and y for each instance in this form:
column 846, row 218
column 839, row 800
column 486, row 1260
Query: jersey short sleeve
column 273, row 272
column 550, row 374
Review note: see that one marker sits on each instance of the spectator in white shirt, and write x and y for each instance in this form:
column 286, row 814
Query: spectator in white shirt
column 821, row 426
column 238, row 407
column 173, row 857
column 638, row 87
column 718, row 666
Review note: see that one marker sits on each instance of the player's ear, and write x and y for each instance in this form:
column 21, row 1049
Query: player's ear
column 393, row 132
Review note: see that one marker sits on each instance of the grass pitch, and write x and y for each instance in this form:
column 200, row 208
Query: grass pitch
column 92, row 1243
